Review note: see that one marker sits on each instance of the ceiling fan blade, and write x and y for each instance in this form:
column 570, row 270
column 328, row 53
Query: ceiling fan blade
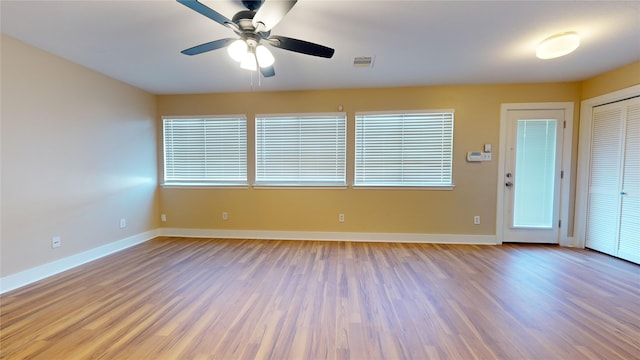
column 300, row 46
column 267, row 71
column 271, row 12
column 206, row 11
column 213, row 45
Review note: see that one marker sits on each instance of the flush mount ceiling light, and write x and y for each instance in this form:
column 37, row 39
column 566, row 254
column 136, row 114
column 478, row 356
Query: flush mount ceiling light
column 558, row 45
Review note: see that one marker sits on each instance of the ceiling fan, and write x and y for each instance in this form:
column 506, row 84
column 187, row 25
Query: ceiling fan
column 253, row 26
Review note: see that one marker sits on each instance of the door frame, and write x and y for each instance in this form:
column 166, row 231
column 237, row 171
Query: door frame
column 584, row 156
column 565, row 166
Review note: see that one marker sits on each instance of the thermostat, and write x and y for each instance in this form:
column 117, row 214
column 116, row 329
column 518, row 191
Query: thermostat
column 474, row 156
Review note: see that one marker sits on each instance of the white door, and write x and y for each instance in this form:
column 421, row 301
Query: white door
column 603, row 210
column 532, row 176
column 629, row 244
column 613, row 210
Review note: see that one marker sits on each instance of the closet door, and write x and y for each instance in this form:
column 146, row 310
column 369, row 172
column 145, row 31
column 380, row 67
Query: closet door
column 603, row 212
column 629, row 244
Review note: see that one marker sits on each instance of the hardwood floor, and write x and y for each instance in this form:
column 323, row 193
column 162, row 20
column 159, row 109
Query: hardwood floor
column 178, row 298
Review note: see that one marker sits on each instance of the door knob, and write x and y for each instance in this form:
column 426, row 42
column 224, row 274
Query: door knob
column 509, row 184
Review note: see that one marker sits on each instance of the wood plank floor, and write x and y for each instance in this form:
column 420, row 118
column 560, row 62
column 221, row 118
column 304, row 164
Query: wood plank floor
column 178, row 298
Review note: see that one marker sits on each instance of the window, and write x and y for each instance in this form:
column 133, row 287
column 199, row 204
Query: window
column 301, row 150
column 404, row 149
column 205, row 151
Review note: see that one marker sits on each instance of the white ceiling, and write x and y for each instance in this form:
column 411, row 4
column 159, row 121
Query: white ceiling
column 415, row 43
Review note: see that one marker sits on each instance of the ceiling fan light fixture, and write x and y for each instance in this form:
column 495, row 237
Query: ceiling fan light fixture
column 249, row 61
column 253, row 26
column 264, row 56
column 558, row 45
column 238, row 50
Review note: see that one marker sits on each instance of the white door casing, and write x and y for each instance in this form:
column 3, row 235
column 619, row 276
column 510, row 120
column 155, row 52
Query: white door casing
column 613, row 204
column 523, row 115
column 584, row 156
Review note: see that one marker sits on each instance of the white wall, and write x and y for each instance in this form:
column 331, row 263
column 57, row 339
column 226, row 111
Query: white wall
column 78, row 154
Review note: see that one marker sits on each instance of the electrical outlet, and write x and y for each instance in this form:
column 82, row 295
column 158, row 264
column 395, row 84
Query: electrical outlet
column 476, row 220
column 341, row 217
column 225, row 216
column 163, row 217
column 56, row 242
column 123, row 223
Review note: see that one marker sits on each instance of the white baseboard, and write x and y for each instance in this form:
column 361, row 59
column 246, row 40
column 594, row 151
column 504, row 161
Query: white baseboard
column 332, row 236
column 14, row 281
column 26, row 277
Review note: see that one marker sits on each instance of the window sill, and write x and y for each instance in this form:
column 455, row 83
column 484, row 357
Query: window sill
column 306, row 187
column 392, row 187
column 300, row 187
column 203, row 186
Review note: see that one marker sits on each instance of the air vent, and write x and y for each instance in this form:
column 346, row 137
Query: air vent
column 363, row 61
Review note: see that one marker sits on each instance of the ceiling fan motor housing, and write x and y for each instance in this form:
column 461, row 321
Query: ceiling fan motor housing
column 247, row 31
column 243, row 20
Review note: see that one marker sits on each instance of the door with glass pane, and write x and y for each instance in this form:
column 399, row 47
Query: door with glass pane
column 532, row 176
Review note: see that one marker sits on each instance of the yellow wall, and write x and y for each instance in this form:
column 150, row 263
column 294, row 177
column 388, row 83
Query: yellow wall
column 617, row 79
column 78, row 154
column 477, row 121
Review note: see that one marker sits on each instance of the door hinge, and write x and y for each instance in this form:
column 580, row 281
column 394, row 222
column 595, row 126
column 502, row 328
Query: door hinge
column 564, row 124
column 561, row 174
column 559, row 223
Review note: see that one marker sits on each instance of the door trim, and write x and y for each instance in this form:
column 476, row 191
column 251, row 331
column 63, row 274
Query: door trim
column 584, row 155
column 565, row 166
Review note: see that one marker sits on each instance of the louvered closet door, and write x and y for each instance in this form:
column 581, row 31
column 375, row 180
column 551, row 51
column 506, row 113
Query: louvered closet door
column 603, row 211
column 629, row 245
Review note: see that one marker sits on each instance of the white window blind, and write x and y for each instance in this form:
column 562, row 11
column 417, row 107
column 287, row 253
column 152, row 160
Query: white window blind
column 535, row 173
column 404, row 149
column 205, row 151
column 301, row 150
